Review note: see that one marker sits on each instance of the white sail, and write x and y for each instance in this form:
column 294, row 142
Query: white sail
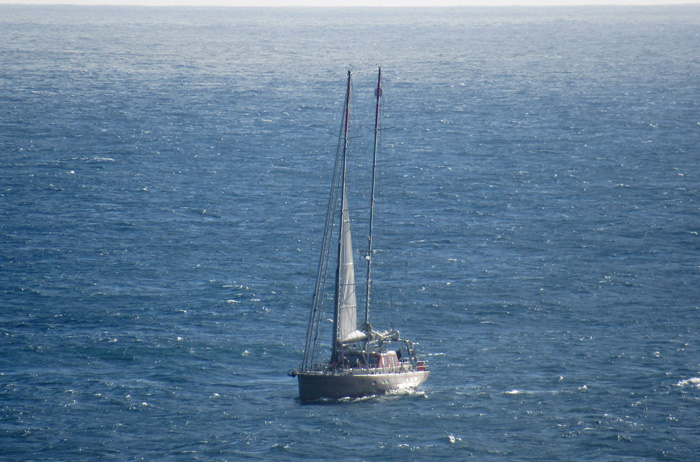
column 347, row 304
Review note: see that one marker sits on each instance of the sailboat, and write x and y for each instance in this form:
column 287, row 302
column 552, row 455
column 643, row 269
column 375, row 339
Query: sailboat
column 363, row 362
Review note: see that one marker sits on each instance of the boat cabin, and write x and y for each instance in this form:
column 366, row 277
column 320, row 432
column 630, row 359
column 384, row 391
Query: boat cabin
column 373, row 360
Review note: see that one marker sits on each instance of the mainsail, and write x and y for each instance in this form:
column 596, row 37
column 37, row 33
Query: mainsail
column 347, row 304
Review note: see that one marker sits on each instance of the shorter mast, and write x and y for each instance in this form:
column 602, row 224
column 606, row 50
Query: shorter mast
column 371, row 206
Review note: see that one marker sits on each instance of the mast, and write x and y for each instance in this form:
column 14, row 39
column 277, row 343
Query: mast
column 336, row 309
column 371, row 206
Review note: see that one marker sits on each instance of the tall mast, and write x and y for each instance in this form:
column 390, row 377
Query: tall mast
column 342, row 201
column 371, row 206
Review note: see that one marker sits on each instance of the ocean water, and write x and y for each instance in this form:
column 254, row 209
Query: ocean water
column 163, row 181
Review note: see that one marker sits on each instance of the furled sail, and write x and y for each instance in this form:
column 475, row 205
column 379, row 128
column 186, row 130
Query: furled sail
column 347, row 304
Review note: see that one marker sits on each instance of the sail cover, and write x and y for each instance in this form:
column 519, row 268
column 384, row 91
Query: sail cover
column 347, row 305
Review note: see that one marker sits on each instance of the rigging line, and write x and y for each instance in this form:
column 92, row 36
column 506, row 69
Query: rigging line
column 330, row 231
column 323, row 274
column 336, row 310
column 313, row 330
column 318, row 292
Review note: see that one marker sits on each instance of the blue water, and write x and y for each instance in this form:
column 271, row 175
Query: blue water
column 163, row 181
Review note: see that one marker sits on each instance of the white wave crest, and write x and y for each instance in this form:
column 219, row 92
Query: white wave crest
column 693, row 381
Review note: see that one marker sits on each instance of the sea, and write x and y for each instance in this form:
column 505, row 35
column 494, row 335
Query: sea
column 164, row 179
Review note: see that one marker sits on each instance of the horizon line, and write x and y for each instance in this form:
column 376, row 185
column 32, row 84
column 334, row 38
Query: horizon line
column 351, row 4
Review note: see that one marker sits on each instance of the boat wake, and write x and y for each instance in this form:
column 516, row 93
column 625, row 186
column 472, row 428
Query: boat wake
column 393, row 394
column 333, row 401
column 408, row 391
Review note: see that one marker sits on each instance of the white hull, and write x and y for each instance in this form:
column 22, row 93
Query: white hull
column 355, row 383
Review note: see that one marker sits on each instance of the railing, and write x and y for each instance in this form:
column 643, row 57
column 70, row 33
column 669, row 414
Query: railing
column 405, row 366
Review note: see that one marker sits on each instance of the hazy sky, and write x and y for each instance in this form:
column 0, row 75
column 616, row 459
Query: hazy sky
column 354, row 2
